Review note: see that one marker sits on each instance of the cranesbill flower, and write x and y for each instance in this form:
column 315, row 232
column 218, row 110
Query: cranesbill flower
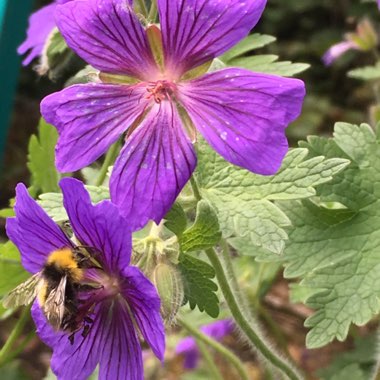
column 188, row 346
column 108, row 312
column 242, row 115
column 364, row 39
column 41, row 24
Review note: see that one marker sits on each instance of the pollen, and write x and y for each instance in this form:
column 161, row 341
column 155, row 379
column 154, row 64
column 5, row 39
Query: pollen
column 160, row 90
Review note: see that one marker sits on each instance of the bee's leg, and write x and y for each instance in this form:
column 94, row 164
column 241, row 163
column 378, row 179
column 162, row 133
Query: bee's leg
column 86, row 330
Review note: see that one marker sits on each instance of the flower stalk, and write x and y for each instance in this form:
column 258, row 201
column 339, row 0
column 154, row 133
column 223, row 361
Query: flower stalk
column 6, row 350
column 108, row 161
column 227, row 354
column 237, row 307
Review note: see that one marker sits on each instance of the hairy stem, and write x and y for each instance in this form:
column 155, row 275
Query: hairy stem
column 223, row 351
column 6, row 350
column 211, row 366
column 242, row 321
column 236, row 304
column 108, row 161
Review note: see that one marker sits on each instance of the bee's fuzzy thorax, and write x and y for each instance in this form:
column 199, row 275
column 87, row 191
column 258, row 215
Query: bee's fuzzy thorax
column 63, row 260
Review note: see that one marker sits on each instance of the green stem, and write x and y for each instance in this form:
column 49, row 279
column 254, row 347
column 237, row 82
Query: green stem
column 227, row 354
column 153, row 11
column 15, row 334
column 214, row 371
column 142, row 6
column 230, row 273
column 195, row 188
column 108, row 161
column 19, row 349
column 242, row 321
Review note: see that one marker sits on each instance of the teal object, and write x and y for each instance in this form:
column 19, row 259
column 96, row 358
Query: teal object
column 13, row 24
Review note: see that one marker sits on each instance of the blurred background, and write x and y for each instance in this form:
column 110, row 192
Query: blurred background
column 304, row 30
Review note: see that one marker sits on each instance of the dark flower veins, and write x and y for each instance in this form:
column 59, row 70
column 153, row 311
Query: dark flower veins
column 119, row 299
column 243, row 115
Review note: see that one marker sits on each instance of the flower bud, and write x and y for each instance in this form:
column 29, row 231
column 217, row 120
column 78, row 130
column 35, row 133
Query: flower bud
column 168, row 282
column 365, row 36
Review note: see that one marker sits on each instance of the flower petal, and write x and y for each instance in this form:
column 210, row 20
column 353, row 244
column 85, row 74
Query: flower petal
column 33, row 232
column 243, row 115
column 121, row 357
column 196, row 31
column 112, row 342
column 108, row 35
column 337, row 50
column 99, row 226
column 89, row 118
column 153, row 167
column 144, row 304
column 189, row 349
column 41, row 23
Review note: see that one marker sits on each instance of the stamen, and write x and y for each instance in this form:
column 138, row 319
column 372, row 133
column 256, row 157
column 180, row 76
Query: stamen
column 160, row 90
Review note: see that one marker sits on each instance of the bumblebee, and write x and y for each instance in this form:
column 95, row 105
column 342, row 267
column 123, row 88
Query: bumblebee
column 56, row 288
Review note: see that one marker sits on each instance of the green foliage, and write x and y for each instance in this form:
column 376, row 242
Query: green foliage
column 204, row 233
column 252, row 42
column 366, row 73
column 334, row 245
column 41, row 159
column 260, row 63
column 243, row 200
column 11, row 271
column 198, row 285
column 175, row 219
column 52, row 203
column 356, row 364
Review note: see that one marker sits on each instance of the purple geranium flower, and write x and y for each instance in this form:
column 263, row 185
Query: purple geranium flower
column 242, row 115
column 41, row 24
column 188, row 346
column 123, row 299
column 337, row 50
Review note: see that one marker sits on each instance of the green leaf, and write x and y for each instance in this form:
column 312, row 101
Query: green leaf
column 243, row 200
column 356, row 364
column 199, row 288
column 337, row 250
column 52, row 203
column 175, row 219
column 366, row 73
column 268, row 64
column 11, row 271
column 7, row 212
column 252, row 42
column 204, row 233
column 41, row 158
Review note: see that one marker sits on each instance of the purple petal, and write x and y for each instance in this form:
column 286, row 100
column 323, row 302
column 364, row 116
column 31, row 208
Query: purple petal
column 196, row 31
column 218, row 329
column 243, row 115
column 89, row 118
column 112, row 342
column 153, row 167
column 337, row 50
column 33, row 232
column 144, row 304
column 108, row 35
column 99, row 226
column 41, row 23
column 189, row 349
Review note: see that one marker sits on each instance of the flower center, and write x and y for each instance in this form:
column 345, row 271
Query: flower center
column 160, row 90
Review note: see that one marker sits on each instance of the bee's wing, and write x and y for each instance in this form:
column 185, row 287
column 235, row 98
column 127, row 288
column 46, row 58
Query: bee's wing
column 54, row 306
column 23, row 294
